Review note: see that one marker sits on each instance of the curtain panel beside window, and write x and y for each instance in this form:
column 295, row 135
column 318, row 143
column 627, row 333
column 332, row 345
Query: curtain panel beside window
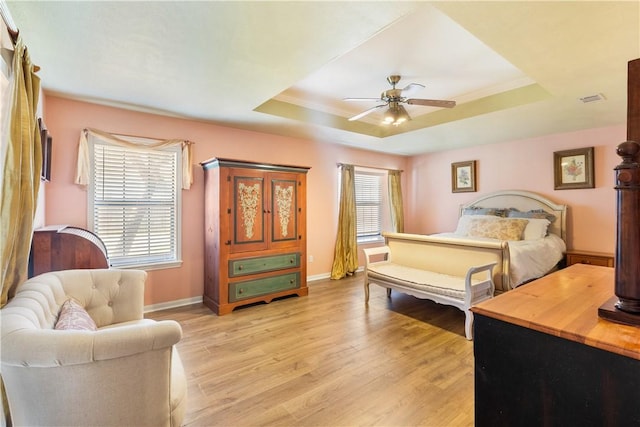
column 21, row 172
column 395, row 198
column 345, row 261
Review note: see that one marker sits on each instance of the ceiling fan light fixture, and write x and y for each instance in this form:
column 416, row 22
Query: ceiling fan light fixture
column 389, row 117
column 396, row 115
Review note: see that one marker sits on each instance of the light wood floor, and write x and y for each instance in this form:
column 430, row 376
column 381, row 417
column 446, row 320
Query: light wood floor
column 327, row 359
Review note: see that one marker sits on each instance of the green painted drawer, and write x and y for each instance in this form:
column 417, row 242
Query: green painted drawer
column 268, row 285
column 242, row 267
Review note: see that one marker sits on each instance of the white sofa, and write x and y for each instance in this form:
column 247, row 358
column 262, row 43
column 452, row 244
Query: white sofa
column 127, row 372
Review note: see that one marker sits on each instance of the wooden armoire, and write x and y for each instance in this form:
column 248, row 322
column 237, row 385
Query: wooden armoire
column 255, row 233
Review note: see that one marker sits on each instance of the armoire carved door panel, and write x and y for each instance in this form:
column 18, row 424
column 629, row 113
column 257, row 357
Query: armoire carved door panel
column 248, row 211
column 283, row 210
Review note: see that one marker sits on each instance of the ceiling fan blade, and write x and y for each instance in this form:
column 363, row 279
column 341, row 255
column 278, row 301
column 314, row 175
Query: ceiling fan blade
column 361, row 99
column 365, row 112
column 411, row 89
column 431, row 102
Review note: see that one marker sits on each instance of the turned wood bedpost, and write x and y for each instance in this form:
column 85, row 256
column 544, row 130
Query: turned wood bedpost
column 625, row 306
column 628, row 201
column 627, row 264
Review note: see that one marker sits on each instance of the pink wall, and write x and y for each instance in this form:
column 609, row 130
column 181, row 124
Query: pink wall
column 526, row 165
column 66, row 202
column 429, row 204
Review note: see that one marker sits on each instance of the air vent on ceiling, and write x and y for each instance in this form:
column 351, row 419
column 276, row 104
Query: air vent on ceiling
column 593, row 98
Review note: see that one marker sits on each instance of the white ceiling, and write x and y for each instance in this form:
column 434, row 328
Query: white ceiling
column 515, row 68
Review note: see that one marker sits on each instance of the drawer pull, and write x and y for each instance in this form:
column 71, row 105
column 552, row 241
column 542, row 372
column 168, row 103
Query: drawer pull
column 240, row 267
column 241, row 291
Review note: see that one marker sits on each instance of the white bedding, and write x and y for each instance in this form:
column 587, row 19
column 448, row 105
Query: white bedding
column 529, row 259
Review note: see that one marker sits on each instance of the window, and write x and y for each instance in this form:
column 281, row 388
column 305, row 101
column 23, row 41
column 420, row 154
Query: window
column 372, row 203
column 368, row 205
column 134, row 203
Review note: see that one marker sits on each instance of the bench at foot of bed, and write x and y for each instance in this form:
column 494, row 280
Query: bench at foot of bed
column 473, row 285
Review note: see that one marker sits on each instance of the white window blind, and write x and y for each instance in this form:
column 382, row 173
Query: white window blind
column 368, row 204
column 135, row 205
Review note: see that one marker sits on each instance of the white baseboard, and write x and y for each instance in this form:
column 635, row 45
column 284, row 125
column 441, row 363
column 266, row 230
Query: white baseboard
column 326, row 275
column 172, row 304
column 317, row 277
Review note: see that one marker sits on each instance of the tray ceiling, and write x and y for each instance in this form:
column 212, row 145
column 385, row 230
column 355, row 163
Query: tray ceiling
column 516, row 69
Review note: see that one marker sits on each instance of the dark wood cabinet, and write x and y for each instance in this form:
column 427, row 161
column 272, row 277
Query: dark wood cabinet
column 62, row 247
column 543, row 357
column 255, row 233
column 593, row 258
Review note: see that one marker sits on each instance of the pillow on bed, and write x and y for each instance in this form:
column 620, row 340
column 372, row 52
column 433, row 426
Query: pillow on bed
column 497, row 228
column 483, row 211
column 536, row 229
column 534, row 213
column 462, row 228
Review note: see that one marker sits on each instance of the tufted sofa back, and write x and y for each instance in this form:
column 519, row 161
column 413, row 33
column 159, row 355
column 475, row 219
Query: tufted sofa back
column 109, row 296
column 125, row 373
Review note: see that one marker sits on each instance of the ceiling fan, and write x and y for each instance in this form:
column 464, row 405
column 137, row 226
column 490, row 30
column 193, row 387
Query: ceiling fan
column 396, row 114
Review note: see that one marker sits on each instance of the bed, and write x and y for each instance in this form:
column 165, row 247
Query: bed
column 536, row 252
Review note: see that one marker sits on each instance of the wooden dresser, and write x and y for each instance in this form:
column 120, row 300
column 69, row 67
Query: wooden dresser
column 544, row 357
column 255, row 233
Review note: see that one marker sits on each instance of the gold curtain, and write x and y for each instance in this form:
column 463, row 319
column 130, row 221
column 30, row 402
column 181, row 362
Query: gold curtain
column 345, row 260
column 21, row 175
column 395, row 197
column 82, row 167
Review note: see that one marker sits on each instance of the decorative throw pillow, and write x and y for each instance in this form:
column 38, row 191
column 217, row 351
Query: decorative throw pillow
column 534, row 213
column 462, row 229
column 497, row 228
column 483, row 211
column 536, row 229
column 73, row 316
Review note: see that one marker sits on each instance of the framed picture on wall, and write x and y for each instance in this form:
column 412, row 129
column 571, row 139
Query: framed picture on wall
column 46, row 142
column 463, row 177
column 573, row 169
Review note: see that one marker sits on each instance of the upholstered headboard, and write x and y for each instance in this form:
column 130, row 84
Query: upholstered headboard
column 524, row 201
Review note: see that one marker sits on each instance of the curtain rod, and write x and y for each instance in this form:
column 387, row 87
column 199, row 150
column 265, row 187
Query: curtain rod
column 8, row 21
column 368, row 167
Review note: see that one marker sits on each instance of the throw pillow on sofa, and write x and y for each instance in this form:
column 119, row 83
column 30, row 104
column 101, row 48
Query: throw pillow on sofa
column 73, row 316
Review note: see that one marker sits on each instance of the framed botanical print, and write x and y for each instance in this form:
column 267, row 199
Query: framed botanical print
column 463, row 177
column 573, row 169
